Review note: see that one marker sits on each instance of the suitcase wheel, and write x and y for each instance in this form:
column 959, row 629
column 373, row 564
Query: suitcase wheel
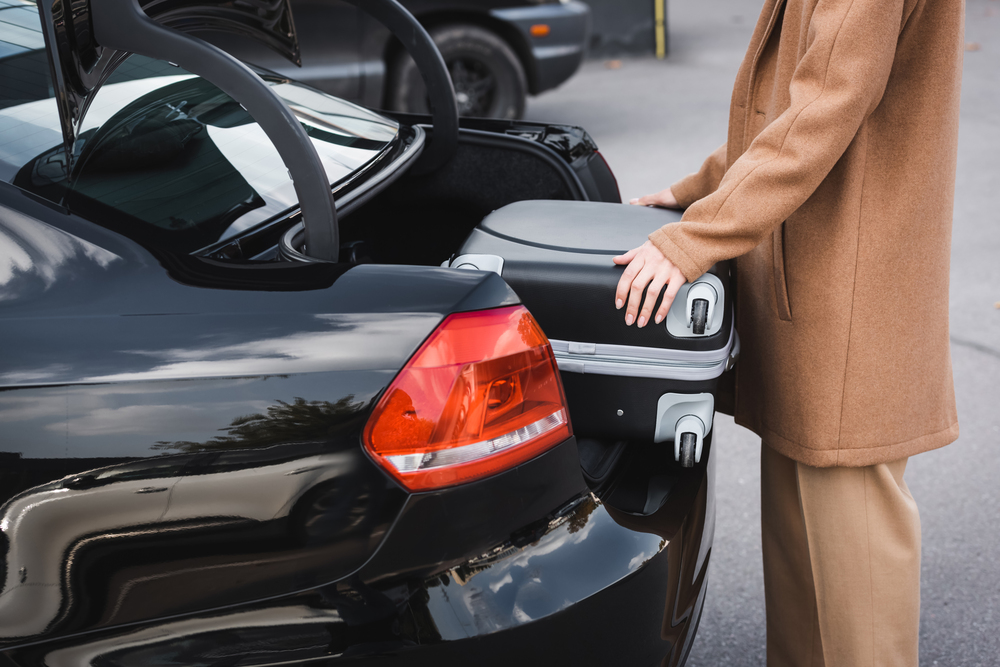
column 688, row 441
column 699, row 316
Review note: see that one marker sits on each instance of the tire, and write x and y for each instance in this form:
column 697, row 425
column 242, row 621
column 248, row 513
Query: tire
column 488, row 77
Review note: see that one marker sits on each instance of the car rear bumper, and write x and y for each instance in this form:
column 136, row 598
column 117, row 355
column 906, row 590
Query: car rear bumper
column 583, row 584
column 623, row 625
column 558, row 55
column 565, row 600
column 589, row 585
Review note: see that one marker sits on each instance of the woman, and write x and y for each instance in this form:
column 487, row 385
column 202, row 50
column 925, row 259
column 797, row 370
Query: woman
column 834, row 191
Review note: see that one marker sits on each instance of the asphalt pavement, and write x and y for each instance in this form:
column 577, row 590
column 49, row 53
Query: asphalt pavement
column 655, row 121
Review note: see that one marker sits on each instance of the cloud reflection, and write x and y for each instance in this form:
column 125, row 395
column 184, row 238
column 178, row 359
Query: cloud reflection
column 35, row 249
column 149, row 419
column 355, row 342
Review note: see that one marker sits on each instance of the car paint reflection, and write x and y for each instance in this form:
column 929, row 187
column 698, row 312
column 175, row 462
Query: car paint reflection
column 112, row 422
column 282, row 334
column 579, row 550
column 283, row 500
column 510, row 585
column 687, row 521
column 277, row 636
column 227, row 346
column 46, row 526
column 39, row 255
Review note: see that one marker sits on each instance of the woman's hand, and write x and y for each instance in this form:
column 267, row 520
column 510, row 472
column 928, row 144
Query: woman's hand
column 647, row 271
column 663, row 199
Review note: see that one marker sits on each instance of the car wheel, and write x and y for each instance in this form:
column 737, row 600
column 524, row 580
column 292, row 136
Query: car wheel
column 488, row 77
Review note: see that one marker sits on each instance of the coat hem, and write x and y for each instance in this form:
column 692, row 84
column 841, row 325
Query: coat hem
column 854, row 457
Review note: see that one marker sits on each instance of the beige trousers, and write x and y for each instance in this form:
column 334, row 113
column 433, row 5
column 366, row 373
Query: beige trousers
column 841, row 564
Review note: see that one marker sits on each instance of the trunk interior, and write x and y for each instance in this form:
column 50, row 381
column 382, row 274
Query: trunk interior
column 451, row 201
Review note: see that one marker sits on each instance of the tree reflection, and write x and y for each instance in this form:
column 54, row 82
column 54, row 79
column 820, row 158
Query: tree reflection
column 582, row 514
column 282, row 423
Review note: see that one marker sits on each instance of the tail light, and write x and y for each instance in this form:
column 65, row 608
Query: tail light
column 481, row 395
column 614, row 179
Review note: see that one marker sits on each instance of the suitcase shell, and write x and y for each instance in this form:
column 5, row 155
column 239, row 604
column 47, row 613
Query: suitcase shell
column 556, row 255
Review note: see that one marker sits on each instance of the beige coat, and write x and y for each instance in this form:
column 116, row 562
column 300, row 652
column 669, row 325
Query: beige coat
column 835, row 191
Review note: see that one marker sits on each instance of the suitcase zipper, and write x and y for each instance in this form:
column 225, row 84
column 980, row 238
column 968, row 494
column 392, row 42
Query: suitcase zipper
column 644, row 362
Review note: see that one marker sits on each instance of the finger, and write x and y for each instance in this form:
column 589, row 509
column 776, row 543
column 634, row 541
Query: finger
column 653, row 291
column 625, row 282
column 626, row 258
column 663, row 198
column 646, row 200
column 673, row 286
column 635, row 293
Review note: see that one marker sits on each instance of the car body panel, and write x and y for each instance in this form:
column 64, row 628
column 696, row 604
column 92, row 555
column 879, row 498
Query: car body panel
column 627, row 589
column 188, row 532
column 557, row 55
column 161, row 406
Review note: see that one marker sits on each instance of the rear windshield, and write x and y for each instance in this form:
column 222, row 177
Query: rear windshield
column 164, row 156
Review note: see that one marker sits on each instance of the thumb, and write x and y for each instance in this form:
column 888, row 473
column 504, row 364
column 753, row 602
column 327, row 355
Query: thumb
column 626, row 258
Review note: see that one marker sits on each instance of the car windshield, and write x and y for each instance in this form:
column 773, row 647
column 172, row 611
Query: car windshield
column 162, row 154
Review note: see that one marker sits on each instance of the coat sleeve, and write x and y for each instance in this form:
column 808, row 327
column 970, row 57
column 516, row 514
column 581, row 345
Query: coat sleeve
column 703, row 182
column 836, row 85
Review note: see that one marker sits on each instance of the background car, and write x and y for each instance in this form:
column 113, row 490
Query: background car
column 219, row 448
column 497, row 52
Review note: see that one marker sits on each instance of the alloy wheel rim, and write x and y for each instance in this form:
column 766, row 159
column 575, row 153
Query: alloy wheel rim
column 475, row 86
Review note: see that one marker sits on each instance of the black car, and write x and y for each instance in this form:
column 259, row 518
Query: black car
column 246, row 418
column 497, row 52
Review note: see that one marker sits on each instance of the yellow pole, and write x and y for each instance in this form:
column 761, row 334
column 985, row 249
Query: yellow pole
column 661, row 37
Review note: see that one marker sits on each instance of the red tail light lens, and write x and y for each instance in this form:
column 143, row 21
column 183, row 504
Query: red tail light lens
column 480, row 396
column 613, row 177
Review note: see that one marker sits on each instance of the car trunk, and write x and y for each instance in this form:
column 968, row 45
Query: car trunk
column 633, row 393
